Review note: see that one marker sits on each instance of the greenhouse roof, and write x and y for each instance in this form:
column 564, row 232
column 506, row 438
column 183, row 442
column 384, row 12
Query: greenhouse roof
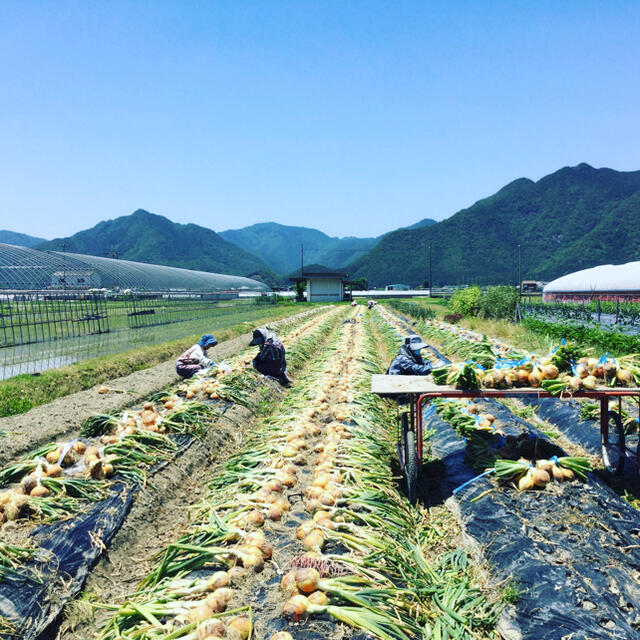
column 23, row 268
column 606, row 277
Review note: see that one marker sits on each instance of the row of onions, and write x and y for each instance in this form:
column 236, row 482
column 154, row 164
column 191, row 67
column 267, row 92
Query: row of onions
column 317, row 472
column 195, row 591
column 524, row 460
column 62, row 479
column 492, row 364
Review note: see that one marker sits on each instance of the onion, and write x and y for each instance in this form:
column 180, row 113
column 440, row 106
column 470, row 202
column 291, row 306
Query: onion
column 550, row 372
column 590, row 382
column 281, row 635
column 53, row 456
column 535, row 378
column 30, row 482
column 219, row 599
column 102, row 389
column 274, row 485
column 557, row 473
column 288, row 582
column 526, row 482
column 304, row 530
column 568, row 473
column 275, row 512
column 545, row 465
column 314, row 540
column 575, row 382
column 210, row 629
column 624, row 376
column 199, row 613
column 321, row 515
column 39, row 491
column 540, row 477
column 307, row 579
column 217, row 580
column 239, row 627
column 255, row 517
column 296, row 607
column 523, row 376
column 318, row 598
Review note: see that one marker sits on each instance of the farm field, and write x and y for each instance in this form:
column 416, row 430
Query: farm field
column 255, row 511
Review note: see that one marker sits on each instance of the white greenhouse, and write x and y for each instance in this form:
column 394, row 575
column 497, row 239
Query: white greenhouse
column 605, row 282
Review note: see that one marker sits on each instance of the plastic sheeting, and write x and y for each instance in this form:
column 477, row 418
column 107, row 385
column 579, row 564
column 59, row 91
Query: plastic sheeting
column 70, row 549
column 571, row 551
column 74, row 547
column 603, row 278
column 23, row 268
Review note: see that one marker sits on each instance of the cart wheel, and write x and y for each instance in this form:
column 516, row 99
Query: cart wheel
column 410, row 459
column 612, row 444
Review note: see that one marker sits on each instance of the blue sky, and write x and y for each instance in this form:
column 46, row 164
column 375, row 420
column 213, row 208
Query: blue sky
column 351, row 117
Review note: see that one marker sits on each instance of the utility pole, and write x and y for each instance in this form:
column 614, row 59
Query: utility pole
column 519, row 272
column 430, row 274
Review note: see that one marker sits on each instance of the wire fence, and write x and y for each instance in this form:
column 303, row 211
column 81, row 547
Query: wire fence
column 41, row 330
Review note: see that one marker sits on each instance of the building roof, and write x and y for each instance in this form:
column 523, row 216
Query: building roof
column 23, row 268
column 318, row 274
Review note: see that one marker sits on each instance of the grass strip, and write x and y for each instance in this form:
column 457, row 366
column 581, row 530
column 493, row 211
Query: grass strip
column 23, row 392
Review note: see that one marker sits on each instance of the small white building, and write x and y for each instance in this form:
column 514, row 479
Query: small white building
column 323, row 286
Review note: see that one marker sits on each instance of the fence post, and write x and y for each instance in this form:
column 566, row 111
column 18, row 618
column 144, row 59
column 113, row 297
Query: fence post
column 599, row 310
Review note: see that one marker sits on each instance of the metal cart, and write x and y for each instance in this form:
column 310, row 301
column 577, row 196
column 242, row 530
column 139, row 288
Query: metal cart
column 421, row 390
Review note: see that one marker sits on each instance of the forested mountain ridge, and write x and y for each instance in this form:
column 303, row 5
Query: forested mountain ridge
column 279, row 245
column 572, row 219
column 19, row 239
column 147, row 237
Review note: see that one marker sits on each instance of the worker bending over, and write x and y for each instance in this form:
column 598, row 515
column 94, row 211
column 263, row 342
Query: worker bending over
column 270, row 359
column 409, row 362
column 195, row 358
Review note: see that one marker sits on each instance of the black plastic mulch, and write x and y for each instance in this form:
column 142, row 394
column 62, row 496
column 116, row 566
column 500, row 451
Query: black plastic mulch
column 572, row 551
column 69, row 550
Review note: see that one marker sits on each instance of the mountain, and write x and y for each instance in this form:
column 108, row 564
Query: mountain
column 575, row 218
column 19, row 239
column 279, row 245
column 425, row 222
column 147, row 237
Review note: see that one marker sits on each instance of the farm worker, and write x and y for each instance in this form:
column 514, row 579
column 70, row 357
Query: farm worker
column 409, row 362
column 270, row 359
column 195, row 358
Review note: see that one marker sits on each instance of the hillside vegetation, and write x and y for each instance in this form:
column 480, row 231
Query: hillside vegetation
column 575, row 218
column 19, row 239
column 146, row 237
column 279, row 245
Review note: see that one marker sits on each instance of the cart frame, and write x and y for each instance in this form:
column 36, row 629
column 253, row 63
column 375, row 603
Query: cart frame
column 422, row 391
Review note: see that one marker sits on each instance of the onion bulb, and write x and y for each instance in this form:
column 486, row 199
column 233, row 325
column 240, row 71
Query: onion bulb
column 39, row 492
column 526, row 482
column 296, row 607
column 307, row 579
column 239, row 627
column 540, row 477
column 281, row 635
column 318, row 598
column 590, row 382
column 213, row 628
